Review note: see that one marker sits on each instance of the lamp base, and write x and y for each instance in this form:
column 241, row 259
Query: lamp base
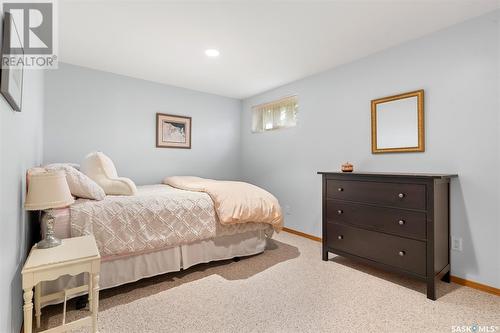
column 48, row 242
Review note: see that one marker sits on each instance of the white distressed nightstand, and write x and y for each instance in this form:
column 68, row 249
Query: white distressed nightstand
column 74, row 256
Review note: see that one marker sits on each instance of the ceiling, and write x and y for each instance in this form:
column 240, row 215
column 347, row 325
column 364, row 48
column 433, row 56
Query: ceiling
column 262, row 44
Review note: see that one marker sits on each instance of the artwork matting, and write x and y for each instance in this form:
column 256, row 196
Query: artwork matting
column 173, row 131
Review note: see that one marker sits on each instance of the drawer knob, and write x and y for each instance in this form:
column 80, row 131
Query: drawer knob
column 340, row 211
column 401, row 195
column 401, row 253
column 340, row 237
column 340, row 189
column 401, row 222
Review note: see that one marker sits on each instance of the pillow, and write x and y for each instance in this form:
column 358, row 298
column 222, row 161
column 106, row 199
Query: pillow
column 74, row 165
column 101, row 169
column 79, row 184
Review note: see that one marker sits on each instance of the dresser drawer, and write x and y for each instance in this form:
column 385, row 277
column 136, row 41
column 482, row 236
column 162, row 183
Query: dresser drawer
column 390, row 194
column 391, row 220
column 399, row 252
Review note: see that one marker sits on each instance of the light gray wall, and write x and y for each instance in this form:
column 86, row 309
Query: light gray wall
column 89, row 110
column 459, row 70
column 20, row 148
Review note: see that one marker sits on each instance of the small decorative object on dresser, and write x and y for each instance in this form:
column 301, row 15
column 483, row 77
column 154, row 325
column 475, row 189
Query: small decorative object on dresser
column 173, row 131
column 75, row 255
column 48, row 190
column 347, row 167
column 398, row 222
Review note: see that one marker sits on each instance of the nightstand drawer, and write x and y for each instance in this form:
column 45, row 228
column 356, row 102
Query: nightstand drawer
column 391, row 220
column 395, row 251
column 389, row 194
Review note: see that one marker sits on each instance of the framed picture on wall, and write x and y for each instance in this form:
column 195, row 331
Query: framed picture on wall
column 11, row 83
column 173, row 131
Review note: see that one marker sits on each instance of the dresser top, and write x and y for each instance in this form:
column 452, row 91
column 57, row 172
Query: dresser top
column 391, row 174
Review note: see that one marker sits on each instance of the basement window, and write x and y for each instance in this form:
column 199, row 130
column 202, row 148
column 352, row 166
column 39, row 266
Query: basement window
column 278, row 114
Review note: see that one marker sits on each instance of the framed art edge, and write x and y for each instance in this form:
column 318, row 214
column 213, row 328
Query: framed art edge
column 7, row 24
column 420, row 123
column 158, row 116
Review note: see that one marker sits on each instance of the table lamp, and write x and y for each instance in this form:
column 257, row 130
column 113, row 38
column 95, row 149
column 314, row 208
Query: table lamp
column 48, row 190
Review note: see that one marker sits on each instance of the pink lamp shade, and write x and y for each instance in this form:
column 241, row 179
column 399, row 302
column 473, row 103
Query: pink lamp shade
column 48, row 190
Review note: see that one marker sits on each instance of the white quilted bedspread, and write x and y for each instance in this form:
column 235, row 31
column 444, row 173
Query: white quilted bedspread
column 159, row 216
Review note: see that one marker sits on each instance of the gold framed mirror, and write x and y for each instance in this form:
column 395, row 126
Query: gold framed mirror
column 398, row 123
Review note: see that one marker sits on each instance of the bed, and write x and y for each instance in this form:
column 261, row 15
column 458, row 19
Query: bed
column 161, row 229
column 142, row 231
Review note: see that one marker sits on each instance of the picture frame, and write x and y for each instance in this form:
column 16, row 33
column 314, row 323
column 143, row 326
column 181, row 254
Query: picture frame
column 11, row 78
column 173, row 131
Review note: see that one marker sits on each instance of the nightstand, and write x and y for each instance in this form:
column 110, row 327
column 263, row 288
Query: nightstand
column 74, row 256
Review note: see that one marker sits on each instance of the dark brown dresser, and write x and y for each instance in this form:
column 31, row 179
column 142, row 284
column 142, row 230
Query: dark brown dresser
column 398, row 222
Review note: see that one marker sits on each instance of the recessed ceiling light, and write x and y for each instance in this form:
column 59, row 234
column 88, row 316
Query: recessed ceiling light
column 212, row 53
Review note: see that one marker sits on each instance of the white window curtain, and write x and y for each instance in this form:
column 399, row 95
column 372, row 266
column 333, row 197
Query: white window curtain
column 278, row 114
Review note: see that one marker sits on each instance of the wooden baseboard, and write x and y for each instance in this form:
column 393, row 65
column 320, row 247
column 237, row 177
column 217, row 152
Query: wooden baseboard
column 454, row 279
column 302, row 234
column 475, row 285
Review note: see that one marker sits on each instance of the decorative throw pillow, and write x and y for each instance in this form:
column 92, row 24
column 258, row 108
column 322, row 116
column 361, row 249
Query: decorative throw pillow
column 74, row 165
column 79, row 184
column 101, row 169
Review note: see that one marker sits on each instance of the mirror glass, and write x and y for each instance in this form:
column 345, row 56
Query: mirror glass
column 397, row 123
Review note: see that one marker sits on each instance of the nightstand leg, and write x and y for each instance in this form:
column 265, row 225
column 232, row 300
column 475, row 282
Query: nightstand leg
column 28, row 309
column 90, row 292
column 38, row 308
column 95, row 301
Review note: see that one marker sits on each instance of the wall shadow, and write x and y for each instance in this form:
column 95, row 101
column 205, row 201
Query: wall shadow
column 460, row 226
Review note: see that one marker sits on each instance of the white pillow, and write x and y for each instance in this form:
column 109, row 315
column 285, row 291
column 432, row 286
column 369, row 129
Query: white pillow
column 73, row 165
column 79, row 184
column 101, row 169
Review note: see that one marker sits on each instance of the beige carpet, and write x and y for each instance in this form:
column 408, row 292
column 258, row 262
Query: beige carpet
column 286, row 289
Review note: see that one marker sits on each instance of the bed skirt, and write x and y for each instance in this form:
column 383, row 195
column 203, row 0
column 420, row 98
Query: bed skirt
column 116, row 272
